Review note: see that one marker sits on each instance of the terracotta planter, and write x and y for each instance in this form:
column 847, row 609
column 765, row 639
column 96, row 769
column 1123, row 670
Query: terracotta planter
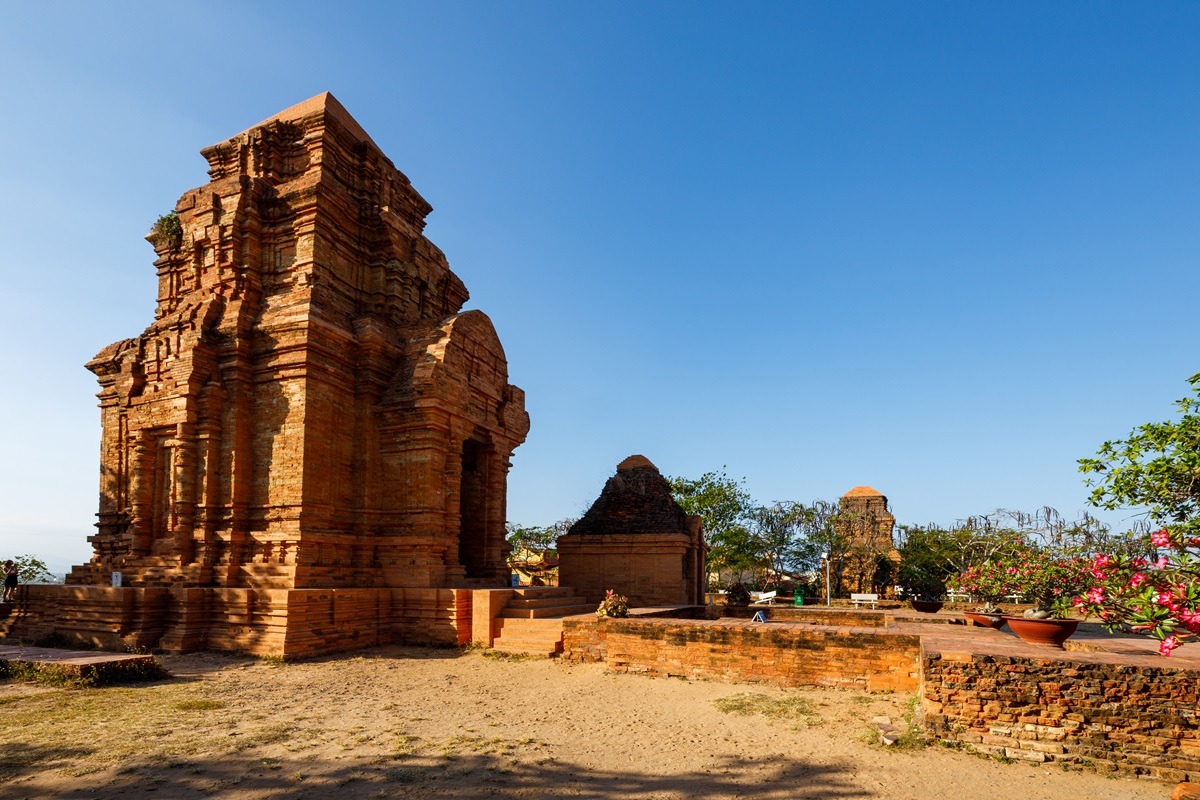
column 1042, row 631
column 927, row 606
column 983, row 620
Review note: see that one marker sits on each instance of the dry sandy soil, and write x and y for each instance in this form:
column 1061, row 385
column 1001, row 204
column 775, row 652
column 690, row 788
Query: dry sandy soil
column 404, row 722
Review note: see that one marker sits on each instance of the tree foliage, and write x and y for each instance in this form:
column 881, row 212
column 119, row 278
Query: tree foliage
column 723, row 505
column 535, row 538
column 722, row 502
column 31, row 569
column 1156, row 467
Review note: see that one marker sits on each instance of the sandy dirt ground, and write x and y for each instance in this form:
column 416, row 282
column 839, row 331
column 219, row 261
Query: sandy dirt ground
column 403, row 722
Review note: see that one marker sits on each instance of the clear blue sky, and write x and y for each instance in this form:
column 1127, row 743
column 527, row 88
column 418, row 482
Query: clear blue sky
column 944, row 249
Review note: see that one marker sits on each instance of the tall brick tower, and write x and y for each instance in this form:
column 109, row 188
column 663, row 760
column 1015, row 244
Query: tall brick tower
column 309, row 410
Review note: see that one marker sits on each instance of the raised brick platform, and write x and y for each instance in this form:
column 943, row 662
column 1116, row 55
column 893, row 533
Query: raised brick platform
column 82, row 666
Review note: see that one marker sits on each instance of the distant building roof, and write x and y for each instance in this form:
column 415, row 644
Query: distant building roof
column 863, row 491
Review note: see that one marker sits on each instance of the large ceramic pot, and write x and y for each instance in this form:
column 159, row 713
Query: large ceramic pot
column 985, row 620
column 927, row 606
column 1042, row 631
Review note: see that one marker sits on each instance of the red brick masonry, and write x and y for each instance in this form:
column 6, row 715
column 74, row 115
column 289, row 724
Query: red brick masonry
column 1116, row 717
column 734, row 650
column 1106, row 702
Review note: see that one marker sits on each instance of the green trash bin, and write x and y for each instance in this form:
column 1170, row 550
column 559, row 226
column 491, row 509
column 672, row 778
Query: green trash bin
column 797, row 599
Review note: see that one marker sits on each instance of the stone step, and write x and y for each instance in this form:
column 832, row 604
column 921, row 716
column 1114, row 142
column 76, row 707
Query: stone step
column 543, row 602
column 551, row 612
column 533, row 636
column 543, row 591
column 525, row 623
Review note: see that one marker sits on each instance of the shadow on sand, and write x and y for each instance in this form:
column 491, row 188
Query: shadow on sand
column 245, row 775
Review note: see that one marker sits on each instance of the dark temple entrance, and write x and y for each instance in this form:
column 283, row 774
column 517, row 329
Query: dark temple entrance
column 472, row 504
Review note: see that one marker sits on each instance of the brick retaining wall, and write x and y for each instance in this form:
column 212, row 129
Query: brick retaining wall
column 1138, row 720
column 787, row 655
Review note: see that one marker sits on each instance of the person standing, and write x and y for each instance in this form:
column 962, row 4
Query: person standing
column 10, row 581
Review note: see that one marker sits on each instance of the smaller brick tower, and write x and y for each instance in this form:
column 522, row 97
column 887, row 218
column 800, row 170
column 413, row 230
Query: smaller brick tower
column 637, row 541
column 867, row 523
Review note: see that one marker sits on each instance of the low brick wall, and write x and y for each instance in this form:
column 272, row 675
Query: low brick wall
column 1139, row 720
column 584, row 639
column 783, row 655
column 840, row 617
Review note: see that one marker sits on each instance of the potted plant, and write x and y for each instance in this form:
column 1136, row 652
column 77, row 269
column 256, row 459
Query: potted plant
column 613, row 605
column 988, row 583
column 1052, row 582
column 923, row 587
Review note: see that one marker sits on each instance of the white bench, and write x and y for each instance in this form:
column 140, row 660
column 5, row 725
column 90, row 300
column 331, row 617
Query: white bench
column 763, row 598
column 864, row 599
column 958, row 597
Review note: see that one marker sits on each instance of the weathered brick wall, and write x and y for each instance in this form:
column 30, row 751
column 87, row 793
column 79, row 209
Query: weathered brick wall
column 841, row 617
column 1131, row 719
column 584, row 639
column 784, row 655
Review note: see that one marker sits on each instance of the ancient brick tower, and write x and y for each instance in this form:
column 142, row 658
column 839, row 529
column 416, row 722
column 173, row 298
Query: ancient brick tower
column 309, row 410
column 867, row 525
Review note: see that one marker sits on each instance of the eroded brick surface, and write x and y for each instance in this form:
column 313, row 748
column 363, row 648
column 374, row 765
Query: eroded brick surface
column 1111, row 716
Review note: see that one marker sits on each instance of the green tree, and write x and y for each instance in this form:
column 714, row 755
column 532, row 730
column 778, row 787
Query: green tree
column 723, row 504
column 776, row 530
column 31, row 569
column 535, row 538
column 1156, row 467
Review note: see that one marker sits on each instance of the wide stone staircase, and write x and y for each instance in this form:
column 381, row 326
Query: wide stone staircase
column 532, row 620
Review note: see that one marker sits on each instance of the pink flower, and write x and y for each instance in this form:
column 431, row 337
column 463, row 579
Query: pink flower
column 1161, row 563
column 1160, row 538
column 1167, row 645
column 1096, row 595
column 1137, row 580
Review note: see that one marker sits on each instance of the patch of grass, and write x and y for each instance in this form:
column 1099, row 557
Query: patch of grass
column 913, row 737
column 504, row 655
column 405, row 746
column 797, row 709
column 269, row 734
column 403, row 775
column 476, row 744
column 272, row 661
column 202, row 704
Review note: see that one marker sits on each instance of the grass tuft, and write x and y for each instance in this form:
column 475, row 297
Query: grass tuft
column 797, row 709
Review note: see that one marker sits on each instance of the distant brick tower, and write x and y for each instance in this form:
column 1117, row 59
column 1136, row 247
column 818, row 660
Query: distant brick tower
column 867, row 524
column 309, row 411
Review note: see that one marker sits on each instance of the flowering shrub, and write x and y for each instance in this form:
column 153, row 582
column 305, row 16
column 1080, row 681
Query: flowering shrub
column 1050, row 580
column 613, row 605
column 988, row 582
column 1159, row 598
